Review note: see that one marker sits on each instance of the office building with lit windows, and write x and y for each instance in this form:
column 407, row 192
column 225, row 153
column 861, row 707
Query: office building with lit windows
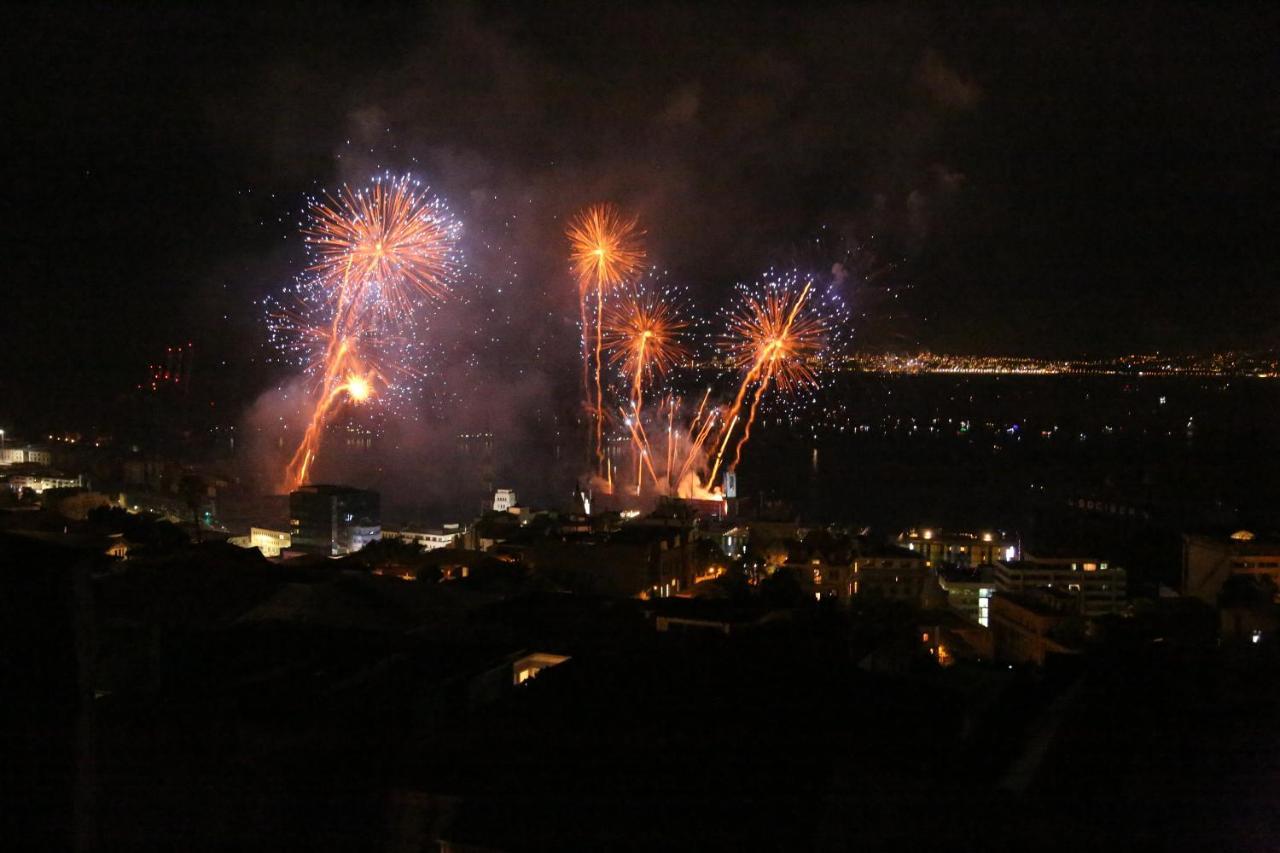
column 1098, row 586
column 959, row 548
column 334, row 520
column 969, row 591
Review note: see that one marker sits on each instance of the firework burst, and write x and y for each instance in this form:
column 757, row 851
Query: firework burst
column 384, row 247
column 644, row 334
column 775, row 337
column 604, row 252
column 605, row 248
column 379, row 255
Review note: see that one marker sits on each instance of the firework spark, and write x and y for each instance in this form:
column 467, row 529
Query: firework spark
column 643, row 333
column 604, row 252
column 386, row 246
column 379, row 255
column 674, row 464
column 773, row 337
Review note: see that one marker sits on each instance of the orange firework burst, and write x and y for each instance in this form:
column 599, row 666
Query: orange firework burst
column 377, row 254
column 605, row 251
column 644, row 333
column 775, row 335
column 773, row 338
column 385, row 244
column 604, row 247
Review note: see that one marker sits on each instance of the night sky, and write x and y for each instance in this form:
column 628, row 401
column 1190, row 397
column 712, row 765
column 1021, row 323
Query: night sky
column 1047, row 182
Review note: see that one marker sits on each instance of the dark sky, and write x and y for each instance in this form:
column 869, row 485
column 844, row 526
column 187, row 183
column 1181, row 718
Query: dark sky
column 1047, row 181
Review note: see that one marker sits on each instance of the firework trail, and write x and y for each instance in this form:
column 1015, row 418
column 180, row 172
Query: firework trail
column 379, row 255
column 644, row 335
column 683, row 456
column 773, row 337
column 605, row 251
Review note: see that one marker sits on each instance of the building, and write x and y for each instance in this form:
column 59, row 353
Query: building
column 960, row 548
column 1209, row 561
column 730, row 484
column 429, row 539
column 860, row 568
column 270, row 542
column 889, row 572
column 27, row 454
column 969, row 591
column 41, row 481
column 334, row 520
column 1097, row 586
column 530, row 665
column 634, row 561
column 705, row 616
column 1026, row 626
column 504, row 500
column 733, row 541
column 948, row 636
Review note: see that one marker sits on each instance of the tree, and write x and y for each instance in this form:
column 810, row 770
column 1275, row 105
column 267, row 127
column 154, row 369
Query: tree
column 782, row 589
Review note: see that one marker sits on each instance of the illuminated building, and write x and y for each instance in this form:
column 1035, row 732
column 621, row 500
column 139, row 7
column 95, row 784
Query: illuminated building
column 530, row 665
column 1209, row 561
column 334, row 520
column 1096, row 586
column 269, row 542
column 39, row 482
column 25, row 455
column 504, row 500
column 969, row 591
column 881, row 571
column 960, row 548
column 448, row 536
column 733, row 542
